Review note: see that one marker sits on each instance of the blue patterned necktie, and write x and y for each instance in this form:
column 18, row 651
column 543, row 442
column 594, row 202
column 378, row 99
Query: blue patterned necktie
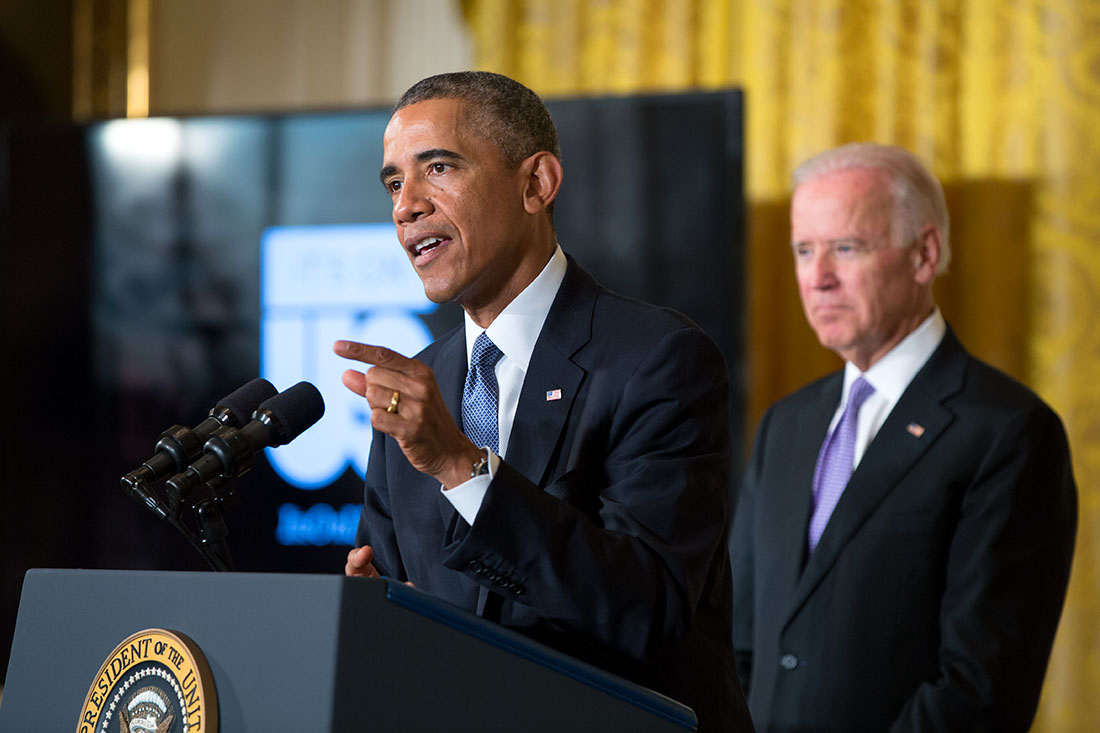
column 480, row 396
column 834, row 462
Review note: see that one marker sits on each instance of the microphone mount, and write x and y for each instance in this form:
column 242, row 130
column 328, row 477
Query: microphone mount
column 197, row 498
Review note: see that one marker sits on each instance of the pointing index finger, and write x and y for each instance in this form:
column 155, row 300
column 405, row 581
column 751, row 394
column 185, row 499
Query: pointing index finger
column 369, row 354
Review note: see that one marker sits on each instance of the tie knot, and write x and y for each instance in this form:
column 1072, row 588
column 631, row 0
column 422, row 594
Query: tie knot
column 485, row 353
column 860, row 390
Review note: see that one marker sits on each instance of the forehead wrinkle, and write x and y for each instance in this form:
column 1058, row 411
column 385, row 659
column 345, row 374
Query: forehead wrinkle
column 850, row 205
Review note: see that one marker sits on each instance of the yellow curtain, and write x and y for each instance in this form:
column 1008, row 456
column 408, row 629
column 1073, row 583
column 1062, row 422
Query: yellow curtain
column 1001, row 97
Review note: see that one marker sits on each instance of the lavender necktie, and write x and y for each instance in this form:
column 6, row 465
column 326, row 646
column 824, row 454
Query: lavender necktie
column 834, row 462
column 481, row 394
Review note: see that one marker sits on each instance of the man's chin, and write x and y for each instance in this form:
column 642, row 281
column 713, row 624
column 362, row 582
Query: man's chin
column 437, row 291
column 439, row 297
column 833, row 339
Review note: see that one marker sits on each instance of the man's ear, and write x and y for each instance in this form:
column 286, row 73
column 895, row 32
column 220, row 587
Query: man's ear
column 926, row 254
column 542, row 174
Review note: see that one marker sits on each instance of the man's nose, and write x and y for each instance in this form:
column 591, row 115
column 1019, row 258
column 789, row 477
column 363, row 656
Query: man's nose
column 411, row 202
column 822, row 268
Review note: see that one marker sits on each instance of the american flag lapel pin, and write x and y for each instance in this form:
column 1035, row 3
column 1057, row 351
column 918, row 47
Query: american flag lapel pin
column 915, row 429
column 553, row 394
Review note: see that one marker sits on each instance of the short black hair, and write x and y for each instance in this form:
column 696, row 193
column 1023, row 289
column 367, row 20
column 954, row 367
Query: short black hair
column 502, row 109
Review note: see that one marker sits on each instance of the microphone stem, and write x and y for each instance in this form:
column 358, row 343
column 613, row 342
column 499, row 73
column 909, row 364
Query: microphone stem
column 211, row 520
column 211, row 545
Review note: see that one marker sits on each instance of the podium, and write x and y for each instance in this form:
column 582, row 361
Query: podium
column 313, row 653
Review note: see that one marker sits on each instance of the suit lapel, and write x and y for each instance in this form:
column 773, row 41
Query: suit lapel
column 540, row 421
column 889, row 457
column 806, row 436
column 450, row 376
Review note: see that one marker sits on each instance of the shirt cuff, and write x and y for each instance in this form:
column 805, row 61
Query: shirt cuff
column 466, row 498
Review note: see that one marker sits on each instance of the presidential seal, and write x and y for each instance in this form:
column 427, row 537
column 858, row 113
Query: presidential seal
column 155, row 681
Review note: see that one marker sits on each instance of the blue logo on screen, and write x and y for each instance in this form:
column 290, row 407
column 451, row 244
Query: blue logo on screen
column 321, row 284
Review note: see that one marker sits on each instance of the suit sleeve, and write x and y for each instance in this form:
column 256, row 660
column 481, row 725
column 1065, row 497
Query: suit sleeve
column 1006, row 577
column 620, row 547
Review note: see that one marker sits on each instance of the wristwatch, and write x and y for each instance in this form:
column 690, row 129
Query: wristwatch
column 481, row 467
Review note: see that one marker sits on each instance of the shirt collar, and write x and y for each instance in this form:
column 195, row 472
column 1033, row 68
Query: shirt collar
column 891, row 375
column 516, row 329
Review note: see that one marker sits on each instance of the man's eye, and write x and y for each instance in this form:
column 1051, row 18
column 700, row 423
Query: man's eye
column 393, row 186
column 439, row 167
column 848, row 249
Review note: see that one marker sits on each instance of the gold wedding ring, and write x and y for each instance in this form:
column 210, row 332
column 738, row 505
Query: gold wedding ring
column 393, row 401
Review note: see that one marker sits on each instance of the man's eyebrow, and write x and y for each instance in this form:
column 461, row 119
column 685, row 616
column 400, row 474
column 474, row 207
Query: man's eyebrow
column 421, row 157
column 435, row 153
column 834, row 240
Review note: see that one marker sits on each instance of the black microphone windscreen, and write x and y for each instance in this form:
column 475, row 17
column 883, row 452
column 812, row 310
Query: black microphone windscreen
column 242, row 402
column 295, row 409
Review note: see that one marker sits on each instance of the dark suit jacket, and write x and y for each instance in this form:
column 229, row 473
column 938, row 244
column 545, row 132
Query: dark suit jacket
column 603, row 533
column 930, row 603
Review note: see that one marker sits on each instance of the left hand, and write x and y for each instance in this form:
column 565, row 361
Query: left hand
column 360, row 563
column 422, row 425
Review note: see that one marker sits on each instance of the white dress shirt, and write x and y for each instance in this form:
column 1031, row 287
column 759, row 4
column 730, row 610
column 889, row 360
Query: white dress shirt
column 890, row 376
column 514, row 332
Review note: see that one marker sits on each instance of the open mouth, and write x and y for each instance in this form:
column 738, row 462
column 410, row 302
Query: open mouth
column 427, row 245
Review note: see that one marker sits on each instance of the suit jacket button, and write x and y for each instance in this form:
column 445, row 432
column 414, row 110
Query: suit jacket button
column 475, row 565
column 517, row 589
column 788, row 662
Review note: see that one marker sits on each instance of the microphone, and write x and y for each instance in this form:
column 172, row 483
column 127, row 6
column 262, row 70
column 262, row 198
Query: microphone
column 178, row 446
column 228, row 452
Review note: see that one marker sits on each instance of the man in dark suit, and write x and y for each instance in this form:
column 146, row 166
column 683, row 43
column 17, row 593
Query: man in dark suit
column 570, row 482
column 921, row 590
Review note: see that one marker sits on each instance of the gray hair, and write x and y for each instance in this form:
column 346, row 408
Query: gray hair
column 500, row 108
column 918, row 196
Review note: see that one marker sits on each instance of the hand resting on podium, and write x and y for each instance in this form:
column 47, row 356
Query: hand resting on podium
column 359, row 563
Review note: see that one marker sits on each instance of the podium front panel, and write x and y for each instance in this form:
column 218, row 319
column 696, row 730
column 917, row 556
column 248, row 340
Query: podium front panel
column 292, row 652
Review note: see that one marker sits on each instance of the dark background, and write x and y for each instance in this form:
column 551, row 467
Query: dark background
column 131, row 300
